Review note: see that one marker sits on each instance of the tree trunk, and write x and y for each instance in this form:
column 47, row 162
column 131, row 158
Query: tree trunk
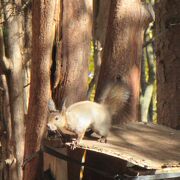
column 76, row 38
column 13, row 25
column 7, row 145
column 100, row 21
column 77, row 29
column 122, row 52
column 6, row 139
column 76, row 53
column 43, row 28
column 168, row 62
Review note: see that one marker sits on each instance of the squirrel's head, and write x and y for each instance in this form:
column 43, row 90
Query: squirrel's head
column 56, row 121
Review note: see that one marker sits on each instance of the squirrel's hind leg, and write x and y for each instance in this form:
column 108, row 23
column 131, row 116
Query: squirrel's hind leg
column 80, row 137
column 89, row 132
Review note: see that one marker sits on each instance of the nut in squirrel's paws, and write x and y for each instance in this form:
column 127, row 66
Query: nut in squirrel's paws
column 102, row 140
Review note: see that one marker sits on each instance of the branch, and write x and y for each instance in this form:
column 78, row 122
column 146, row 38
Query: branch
column 97, row 65
column 148, row 12
column 145, row 102
column 148, row 42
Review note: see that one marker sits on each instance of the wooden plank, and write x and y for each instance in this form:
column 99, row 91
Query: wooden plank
column 146, row 145
column 57, row 166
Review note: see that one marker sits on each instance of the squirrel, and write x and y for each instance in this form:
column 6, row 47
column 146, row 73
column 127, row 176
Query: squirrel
column 81, row 116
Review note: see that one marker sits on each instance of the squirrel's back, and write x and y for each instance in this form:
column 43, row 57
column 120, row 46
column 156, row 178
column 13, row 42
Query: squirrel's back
column 85, row 114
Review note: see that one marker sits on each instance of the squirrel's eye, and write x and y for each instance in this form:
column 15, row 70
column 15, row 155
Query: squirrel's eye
column 56, row 118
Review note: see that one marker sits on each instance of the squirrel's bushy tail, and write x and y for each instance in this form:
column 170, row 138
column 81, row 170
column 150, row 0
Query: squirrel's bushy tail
column 115, row 96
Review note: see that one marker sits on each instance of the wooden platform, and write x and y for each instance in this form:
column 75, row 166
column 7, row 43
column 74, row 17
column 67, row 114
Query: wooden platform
column 146, row 145
column 150, row 150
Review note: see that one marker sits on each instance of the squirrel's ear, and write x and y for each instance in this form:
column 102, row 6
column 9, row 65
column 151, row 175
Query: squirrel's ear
column 64, row 106
column 51, row 106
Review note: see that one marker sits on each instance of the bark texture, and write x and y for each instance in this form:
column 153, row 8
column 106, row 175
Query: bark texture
column 122, row 52
column 76, row 36
column 43, row 27
column 100, row 22
column 76, row 53
column 6, row 138
column 27, row 48
column 168, row 62
column 13, row 25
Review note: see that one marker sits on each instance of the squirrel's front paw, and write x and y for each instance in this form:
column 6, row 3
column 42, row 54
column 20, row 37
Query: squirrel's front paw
column 102, row 140
column 72, row 144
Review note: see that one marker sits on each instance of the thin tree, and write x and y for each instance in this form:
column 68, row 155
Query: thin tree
column 147, row 80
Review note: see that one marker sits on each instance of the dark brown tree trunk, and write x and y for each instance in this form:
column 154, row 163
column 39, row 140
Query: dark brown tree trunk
column 56, row 69
column 122, row 52
column 76, row 38
column 43, row 27
column 168, row 62
column 77, row 29
column 100, row 20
